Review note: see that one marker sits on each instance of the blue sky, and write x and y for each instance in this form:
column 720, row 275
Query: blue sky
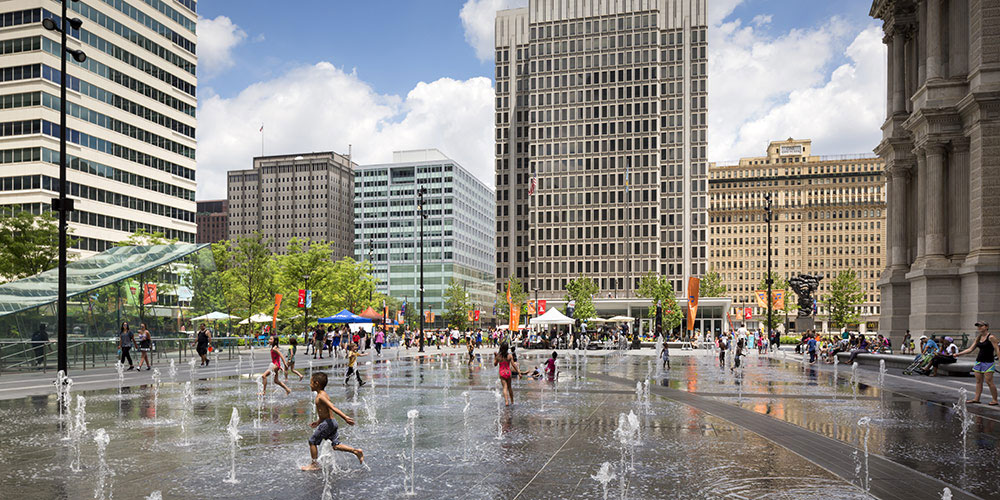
column 417, row 74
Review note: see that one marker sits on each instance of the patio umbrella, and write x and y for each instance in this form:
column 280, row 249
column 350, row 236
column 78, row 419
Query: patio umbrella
column 214, row 316
column 344, row 316
column 257, row 318
column 620, row 319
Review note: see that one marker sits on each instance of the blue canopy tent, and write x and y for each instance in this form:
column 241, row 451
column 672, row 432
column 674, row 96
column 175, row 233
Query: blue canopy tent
column 344, row 316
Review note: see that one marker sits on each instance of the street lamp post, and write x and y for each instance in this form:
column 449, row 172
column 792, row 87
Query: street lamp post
column 420, row 207
column 62, row 204
column 770, row 280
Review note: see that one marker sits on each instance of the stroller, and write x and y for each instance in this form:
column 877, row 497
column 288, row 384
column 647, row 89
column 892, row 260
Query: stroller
column 921, row 365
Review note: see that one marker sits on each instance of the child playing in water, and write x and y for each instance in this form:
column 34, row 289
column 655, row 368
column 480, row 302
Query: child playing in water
column 550, row 366
column 352, row 359
column 290, row 367
column 326, row 427
column 504, row 361
column 277, row 360
column 665, row 356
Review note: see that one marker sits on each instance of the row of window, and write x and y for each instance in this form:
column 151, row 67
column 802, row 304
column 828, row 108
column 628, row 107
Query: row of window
column 174, row 16
column 140, row 17
column 46, row 155
column 36, row 182
column 109, row 222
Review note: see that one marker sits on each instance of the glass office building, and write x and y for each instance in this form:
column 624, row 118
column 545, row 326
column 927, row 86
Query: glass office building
column 458, row 230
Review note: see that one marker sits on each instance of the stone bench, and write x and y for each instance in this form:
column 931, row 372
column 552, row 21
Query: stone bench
column 962, row 367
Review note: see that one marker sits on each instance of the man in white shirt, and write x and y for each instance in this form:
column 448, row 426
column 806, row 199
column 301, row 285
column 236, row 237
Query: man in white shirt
column 742, row 334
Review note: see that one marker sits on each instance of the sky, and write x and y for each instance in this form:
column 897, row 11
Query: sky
column 376, row 77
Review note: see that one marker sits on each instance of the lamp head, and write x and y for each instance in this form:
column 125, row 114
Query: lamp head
column 49, row 24
column 79, row 56
column 75, row 23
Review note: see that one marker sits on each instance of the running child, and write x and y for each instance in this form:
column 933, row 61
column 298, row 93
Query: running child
column 665, row 356
column 277, row 360
column 352, row 359
column 550, row 366
column 504, row 361
column 326, row 426
column 290, row 367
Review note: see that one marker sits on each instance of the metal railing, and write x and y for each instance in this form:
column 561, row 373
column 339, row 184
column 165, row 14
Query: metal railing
column 25, row 356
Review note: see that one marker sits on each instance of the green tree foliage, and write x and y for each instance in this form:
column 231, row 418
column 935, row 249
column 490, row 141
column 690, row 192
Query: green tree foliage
column 29, row 244
column 166, row 277
column 711, row 286
column 518, row 297
column 353, row 285
column 247, row 269
column 458, row 306
column 843, row 299
column 660, row 291
column 778, row 315
column 582, row 290
column 303, row 258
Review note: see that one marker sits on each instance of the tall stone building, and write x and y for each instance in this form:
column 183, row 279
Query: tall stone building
column 940, row 144
column 600, row 144
column 829, row 217
column 309, row 196
column 213, row 221
column 130, row 116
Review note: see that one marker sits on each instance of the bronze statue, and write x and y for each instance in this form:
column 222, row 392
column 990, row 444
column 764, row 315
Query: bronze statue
column 804, row 286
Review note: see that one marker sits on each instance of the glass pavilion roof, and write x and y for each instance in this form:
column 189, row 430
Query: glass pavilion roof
column 90, row 273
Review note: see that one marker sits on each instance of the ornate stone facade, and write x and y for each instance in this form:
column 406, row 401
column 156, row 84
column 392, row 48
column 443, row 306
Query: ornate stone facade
column 941, row 145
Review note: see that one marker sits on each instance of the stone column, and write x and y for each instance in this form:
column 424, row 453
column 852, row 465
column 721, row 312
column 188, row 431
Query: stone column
column 897, row 232
column 898, row 71
column 921, row 195
column 889, row 54
column 958, row 185
column 890, row 221
column 933, row 39
column 935, row 203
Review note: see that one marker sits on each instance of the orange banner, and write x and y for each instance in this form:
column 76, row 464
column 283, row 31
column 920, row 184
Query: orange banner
column 277, row 304
column 693, row 288
column 777, row 299
column 515, row 319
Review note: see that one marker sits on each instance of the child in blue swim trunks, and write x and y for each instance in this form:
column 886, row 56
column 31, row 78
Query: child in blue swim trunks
column 326, row 427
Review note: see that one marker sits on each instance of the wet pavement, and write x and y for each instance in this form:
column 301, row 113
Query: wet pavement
column 549, row 445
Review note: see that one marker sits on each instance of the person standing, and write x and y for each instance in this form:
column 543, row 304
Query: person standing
column 379, row 340
column 202, row 343
column 504, row 361
column 811, row 347
column 39, row 339
column 985, row 360
column 318, row 336
column 145, row 345
column 125, row 341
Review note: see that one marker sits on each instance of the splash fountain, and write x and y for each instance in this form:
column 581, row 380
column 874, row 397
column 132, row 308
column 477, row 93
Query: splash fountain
column 962, row 408
column 156, row 393
column 78, row 431
column 188, row 411
column 328, row 461
column 260, row 401
column 104, row 484
column 854, row 380
column 172, row 371
column 411, row 431
column 233, row 431
column 604, row 476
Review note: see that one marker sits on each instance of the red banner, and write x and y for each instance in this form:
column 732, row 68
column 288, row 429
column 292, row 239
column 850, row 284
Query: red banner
column 302, row 298
column 541, row 307
column 475, row 315
column 748, row 313
column 149, row 294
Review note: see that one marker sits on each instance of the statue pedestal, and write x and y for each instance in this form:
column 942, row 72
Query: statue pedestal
column 803, row 323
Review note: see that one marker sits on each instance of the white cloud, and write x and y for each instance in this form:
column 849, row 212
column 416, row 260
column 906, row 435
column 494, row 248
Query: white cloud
column 764, row 88
column 216, row 40
column 761, row 19
column 323, row 108
column 478, row 18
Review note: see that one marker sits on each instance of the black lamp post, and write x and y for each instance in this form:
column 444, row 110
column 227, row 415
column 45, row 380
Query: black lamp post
column 420, row 207
column 62, row 204
column 770, row 281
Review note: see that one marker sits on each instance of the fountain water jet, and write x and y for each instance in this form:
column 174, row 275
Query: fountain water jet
column 156, row 392
column 465, row 421
column 604, row 476
column 961, row 407
column 188, row 410
column 78, row 431
column 239, row 374
column 411, row 431
column 865, row 482
column 328, row 461
column 191, row 368
column 260, row 401
column 233, row 430
column 104, row 473
column 172, row 371
column 854, row 380
column 500, row 402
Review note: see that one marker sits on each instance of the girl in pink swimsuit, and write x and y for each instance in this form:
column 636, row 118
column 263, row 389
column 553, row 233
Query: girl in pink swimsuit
column 504, row 361
column 277, row 359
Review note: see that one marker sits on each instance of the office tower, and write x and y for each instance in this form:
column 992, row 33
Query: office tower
column 131, row 116
column 308, row 196
column 458, row 231
column 213, row 221
column 600, row 144
column 942, row 272
column 829, row 217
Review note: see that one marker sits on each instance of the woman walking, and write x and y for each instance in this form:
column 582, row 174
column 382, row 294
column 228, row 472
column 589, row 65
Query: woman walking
column 985, row 360
column 125, row 341
column 203, row 343
column 145, row 345
column 504, row 361
column 379, row 340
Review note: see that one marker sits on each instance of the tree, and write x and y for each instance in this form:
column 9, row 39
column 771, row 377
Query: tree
column 777, row 314
column 711, row 285
column 582, row 290
column 303, row 258
column 29, row 243
column 458, row 306
column 660, row 291
column 165, row 277
column 353, row 285
column 518, row 297
column 846, row 294
column 248, row 275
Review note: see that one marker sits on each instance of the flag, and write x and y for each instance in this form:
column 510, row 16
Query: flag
column 277, row 304
column 748, row 313
column 515, row 319
column 693, row 286
column 509, row 301
column 778, row 297
column 309, row 299
column 541, row 307
column 475, row 315
column 531, row 307
column 149, row 294
column 471, row 316
column 261, row 127
column 532, row 186
column 302, row 298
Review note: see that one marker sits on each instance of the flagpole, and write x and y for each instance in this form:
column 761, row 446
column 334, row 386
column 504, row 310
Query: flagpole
column 262, row 139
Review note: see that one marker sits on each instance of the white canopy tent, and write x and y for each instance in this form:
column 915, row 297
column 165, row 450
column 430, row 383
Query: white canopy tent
column 552, row 317
column 257, row 318
column 215, row 316
column 620, row 319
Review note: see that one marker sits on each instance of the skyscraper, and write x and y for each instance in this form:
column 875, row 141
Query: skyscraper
column 131, row 116
column 600, row 143
column 308, row 196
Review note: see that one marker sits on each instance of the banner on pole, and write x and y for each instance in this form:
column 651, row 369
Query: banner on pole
column 277, row 304
column 149, row 294
column 302, row 298
column 693, row 290
column 541, row 307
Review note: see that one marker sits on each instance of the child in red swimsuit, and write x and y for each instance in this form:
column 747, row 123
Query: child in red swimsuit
column 277, row 360
column 504, row 361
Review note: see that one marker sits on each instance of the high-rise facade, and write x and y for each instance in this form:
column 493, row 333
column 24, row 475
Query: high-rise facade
column 131, row 116
column 458, row 230
column 600, row 143
column 829, row 217
column 307, row 196
column 940, row 145
column 213, row 221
